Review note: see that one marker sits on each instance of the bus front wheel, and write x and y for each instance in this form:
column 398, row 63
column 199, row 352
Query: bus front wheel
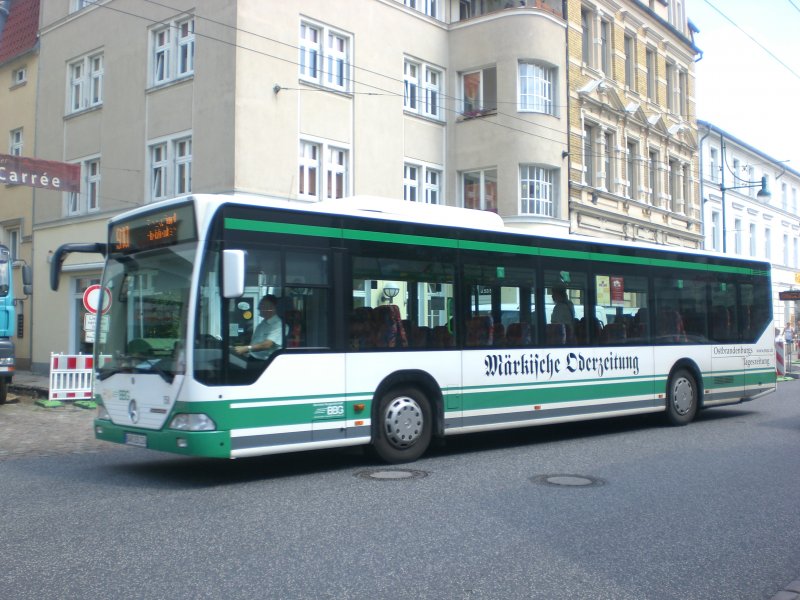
column 681, row 398
column 404, row 425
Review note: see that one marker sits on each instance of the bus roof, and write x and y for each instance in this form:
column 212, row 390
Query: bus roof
column 392, row 209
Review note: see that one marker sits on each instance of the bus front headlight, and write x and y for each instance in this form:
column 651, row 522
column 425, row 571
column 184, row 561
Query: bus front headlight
column 102, row 413
column 192, row 422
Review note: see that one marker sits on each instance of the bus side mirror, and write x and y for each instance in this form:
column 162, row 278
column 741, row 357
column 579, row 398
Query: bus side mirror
column 27, row 280
column 232, row 273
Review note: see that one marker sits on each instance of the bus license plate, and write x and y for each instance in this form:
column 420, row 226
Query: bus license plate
column 136, row 439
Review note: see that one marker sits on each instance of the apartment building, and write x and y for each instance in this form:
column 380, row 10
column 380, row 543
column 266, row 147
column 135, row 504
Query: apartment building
column 19, row 51
column 633, row 136
column 441, row 101
column 750, row 209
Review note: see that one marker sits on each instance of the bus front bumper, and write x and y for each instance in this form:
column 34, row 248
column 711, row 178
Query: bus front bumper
column 213, row 444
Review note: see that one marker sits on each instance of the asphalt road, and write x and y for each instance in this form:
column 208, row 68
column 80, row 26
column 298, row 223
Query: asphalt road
column 708, row 511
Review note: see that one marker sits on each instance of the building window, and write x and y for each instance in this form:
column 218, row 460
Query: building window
column 170, row 167
column 411, row 182
column 589, row 133
column 479, row 91
column 652, row 170
column 630, row 62
column 753, row 240
column 320, row 159
column 786, row 250
column 795, row 257
column 537, row 88
column 12, row 241
column 652, row 74
column 85, row 83
column 609, row 166
column 173, row 49
column 794, row 200
column 429, row 7
column 630, row 169
column 325, row 56
column 714, row 166
column 671, row 85
column 586, row 36
column 15, row 142
column 784, row 197
column 767, row 243
column 683, row 93
column 737, row 236
column 426, row 178
column 88, row 199
column 606, row 47
column 76, row 5
column 479, row 189
column 537, row 190
column 687, row 189
column 674, row 186
column 423, row 91
column 715, row 231
column 19, row 76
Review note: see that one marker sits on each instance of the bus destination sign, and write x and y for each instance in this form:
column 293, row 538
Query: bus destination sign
column 154, row 230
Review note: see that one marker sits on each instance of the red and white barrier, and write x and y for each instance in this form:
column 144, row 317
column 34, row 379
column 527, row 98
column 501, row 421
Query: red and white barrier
column 71, row 376
column 780, row 365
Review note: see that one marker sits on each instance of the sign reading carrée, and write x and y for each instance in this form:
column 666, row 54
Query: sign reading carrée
column 32, row 172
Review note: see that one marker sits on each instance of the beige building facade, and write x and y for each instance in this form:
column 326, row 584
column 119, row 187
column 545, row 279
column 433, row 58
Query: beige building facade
column 444, row 102
column 19, row 55
column 633, row 132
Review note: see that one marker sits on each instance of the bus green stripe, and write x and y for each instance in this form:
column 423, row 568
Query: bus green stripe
column 500, row 247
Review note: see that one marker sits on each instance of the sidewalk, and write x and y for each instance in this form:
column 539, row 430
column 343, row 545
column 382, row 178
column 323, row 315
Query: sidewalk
column 31, row 384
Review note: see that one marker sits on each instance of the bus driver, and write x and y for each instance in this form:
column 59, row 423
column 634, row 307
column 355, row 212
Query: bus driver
column 268, row 335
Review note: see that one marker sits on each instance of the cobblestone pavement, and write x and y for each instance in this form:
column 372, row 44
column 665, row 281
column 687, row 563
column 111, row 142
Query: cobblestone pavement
column 27, row 429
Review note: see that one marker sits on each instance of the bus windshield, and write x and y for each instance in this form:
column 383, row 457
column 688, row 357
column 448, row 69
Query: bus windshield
column 143, row 327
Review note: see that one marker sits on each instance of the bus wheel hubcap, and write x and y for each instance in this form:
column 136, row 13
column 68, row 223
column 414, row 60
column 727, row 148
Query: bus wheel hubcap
column 403, row 422
column 682, row 396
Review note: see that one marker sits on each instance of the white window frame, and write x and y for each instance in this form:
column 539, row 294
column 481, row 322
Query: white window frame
column 716, row 230
column 13, row 235
column 429, row 7
column 324, row 170
column 19, row 76
column 169, row 166
column 537, row 190
column 484, row 177
column 85, row 83
column 737, row 236
column 76, row 5
column 325, row 56
column 484, row 102
column 422, row 182
column 423, row 91
column 172, row 51
column 536, row 83
column 88, row 199
column 15, row 143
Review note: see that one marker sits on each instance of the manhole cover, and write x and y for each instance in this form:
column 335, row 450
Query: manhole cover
column 568, row 480
column 391, row 474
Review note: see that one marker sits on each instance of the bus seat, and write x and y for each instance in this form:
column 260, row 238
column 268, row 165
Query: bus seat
column 555, row 334
column 615, row 333
column 518, row 334
column 360, row 328
column 442, row 338
column 480, row 331
column 293, row 320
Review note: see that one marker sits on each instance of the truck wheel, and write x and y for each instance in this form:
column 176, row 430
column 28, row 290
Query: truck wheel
column 404, row 425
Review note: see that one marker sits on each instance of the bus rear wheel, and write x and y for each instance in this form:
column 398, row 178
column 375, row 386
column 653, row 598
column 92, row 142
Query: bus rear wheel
column 403, row 429
column 681, row 398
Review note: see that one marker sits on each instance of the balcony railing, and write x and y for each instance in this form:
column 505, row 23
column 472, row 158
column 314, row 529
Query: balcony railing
column 469, row 9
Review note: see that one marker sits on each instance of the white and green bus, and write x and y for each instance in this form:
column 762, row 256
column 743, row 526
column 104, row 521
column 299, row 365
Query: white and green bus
column 401, row 322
